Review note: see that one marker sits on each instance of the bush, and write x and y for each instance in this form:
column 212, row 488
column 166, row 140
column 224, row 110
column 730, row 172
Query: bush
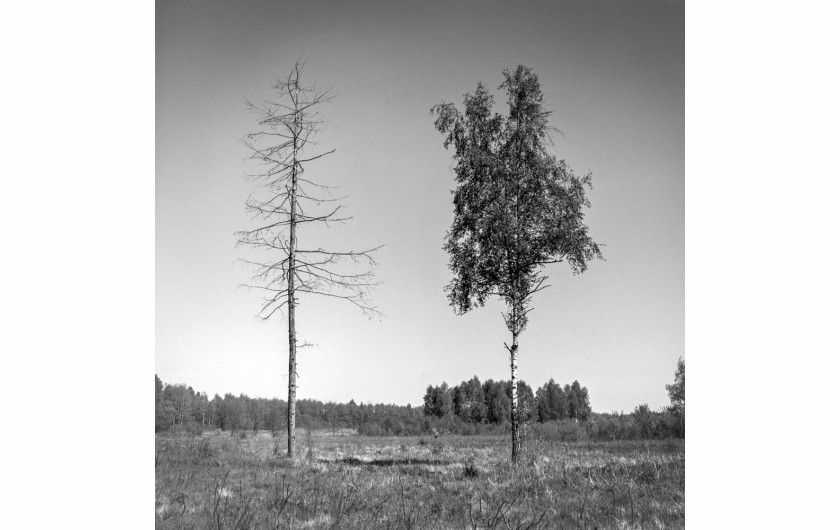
column 470, row 469
column 641, row 424
column 372, row 429
column 560, row 431
column 203, row 449
column 191, row 428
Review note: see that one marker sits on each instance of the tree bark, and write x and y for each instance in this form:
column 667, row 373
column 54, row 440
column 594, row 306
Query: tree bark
column 292, row 337
column 516, row 442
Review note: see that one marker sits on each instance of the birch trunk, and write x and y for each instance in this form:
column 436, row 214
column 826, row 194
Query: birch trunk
column 516, row 442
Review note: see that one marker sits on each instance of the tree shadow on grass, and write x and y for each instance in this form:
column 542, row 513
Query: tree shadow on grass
column 389, row 462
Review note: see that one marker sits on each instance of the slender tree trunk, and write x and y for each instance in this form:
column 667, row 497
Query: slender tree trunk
column 516, row 442
column 292, row 337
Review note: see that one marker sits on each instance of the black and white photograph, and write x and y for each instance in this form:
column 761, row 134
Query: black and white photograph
column 419, row 264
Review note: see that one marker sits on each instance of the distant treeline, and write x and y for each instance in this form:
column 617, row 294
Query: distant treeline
column 489, row 402
column 552, row 411
column 471, row 407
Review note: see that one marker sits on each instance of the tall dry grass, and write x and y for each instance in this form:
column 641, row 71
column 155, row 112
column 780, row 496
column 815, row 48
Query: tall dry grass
column 218, row 481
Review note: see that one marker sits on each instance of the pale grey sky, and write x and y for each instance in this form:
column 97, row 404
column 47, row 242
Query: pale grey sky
column 612, row 72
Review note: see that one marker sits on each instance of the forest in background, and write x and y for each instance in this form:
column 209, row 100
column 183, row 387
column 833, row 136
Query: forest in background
column 471, row 407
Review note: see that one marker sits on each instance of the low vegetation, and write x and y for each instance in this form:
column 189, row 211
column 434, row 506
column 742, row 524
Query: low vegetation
column 223, row 480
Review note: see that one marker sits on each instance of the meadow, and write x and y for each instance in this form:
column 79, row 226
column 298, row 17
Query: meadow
column 224, row 480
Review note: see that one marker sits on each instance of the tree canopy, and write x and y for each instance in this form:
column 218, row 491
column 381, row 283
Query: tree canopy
column 517, row 207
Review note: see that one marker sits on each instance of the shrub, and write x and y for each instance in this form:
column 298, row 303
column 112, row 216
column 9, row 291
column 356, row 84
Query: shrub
column 203, row 449
column 470, row 469
column 188, row 429
column 310, row 450
column 372, row 429
column 561, row 431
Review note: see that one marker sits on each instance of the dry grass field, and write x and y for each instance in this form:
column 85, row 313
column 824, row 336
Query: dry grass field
column 342, row 480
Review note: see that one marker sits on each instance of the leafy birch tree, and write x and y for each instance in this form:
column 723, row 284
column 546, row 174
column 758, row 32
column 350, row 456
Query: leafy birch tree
column 287, row 199
column 677, row 394
column 517, row 208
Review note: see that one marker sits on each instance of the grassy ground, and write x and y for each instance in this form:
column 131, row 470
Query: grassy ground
column 346, row 481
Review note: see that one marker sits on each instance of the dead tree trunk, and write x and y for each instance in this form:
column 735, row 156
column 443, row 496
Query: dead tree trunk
column 291, row 304
column 288, row 200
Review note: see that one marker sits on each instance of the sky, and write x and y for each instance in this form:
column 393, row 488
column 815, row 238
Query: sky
column 612, row 74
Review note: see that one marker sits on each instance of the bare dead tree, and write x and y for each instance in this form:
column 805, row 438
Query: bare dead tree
column 284, row 201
